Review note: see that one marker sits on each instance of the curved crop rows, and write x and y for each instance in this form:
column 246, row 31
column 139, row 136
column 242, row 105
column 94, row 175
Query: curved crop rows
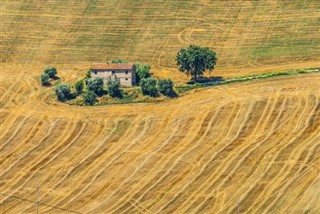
column 256, row 142
column 248, row 36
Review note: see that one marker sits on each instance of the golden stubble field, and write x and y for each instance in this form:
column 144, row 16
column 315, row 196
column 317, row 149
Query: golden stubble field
column 256, row 142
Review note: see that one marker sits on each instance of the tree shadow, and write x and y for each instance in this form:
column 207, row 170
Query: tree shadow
column 47, row 84
column 206, row 80
column 56, row 78
column 72, row 96
column 172, row 94
column 102, row 93
column 119, row 94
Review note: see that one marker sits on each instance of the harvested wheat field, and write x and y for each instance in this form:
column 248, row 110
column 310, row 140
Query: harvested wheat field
column 256, row 143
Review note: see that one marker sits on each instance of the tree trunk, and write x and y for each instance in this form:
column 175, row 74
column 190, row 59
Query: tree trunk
column 195, row 76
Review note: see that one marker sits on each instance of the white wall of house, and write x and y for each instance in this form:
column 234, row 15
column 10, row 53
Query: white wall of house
column 125, row 77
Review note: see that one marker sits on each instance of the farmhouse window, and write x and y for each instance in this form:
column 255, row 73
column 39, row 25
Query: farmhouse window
column 95, row 71
column 126, row 72
column 113, row 72
column 126, row 78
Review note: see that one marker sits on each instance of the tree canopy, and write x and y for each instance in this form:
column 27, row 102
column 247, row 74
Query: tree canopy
column 196, row 60
column 44, row 79
column 63, row 92
column 142, row 71
column 149, row 87
column 79, row 86
column 51, row 71
column 113, row 88
column 89, row 97
column 165, row 86
column 96, row 85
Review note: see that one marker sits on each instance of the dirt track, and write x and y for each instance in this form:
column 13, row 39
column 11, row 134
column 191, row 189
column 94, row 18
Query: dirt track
column 257, row 142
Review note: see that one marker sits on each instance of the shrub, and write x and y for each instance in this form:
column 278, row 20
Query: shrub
column 96, row 85
column 197, row 85
column 113, row 88
column 88, row 74
column 63, row 92
column 44, row 79
column 142, row 71
column 79, row 87
column 165, row 86
column 51, row 71
column 119, row 61
column 89, row 97
column 149, row 87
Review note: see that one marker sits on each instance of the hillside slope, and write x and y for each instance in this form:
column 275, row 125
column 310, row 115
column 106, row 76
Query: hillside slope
column 249, row 36
column 257, row 142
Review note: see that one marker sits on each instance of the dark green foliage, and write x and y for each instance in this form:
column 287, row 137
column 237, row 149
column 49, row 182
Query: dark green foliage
column 63, row 92
column 113, row 88
column 119, row 61
column 79, row 86
column 51, row 71
column 142, row 71
column 44, row 79
column 149, row 87
column 88, row 74
column 166, row 86
column 195, row 60
column 89, row 98
column 96, row 85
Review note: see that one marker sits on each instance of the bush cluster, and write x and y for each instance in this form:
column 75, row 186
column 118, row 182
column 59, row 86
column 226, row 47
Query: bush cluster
column 96, row 85
column 149, row 87
column 79, row 87
column 44, row 79
column 114, row 88
column 142, row 72
column 48, row 72
column 63, row 92
column 165, row 86
column 51, row 71
column 90, row 88
column 89, row 97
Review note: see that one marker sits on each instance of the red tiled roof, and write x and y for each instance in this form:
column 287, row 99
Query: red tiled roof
column 106, row 66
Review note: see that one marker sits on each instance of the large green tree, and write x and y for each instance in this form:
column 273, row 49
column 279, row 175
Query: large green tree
column 196, row 60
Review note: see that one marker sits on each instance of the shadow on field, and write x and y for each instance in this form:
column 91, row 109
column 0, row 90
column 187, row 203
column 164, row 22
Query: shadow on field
column 214, row 79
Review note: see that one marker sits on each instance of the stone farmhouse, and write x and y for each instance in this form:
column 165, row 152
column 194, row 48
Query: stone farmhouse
column 125, row 74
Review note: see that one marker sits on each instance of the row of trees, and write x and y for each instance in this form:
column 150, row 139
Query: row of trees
column 94, row 89
column 150, row 86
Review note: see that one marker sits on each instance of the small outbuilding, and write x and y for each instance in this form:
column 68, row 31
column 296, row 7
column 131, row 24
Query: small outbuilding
column 125, row 74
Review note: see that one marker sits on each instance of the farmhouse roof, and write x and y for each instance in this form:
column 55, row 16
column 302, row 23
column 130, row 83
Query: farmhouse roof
column 106, row 66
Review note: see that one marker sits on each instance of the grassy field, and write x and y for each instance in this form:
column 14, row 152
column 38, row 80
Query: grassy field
column 249, row 36
column 256, row 142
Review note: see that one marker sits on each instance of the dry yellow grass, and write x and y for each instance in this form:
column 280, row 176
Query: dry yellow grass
column 249, row 36
column 257, row 142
